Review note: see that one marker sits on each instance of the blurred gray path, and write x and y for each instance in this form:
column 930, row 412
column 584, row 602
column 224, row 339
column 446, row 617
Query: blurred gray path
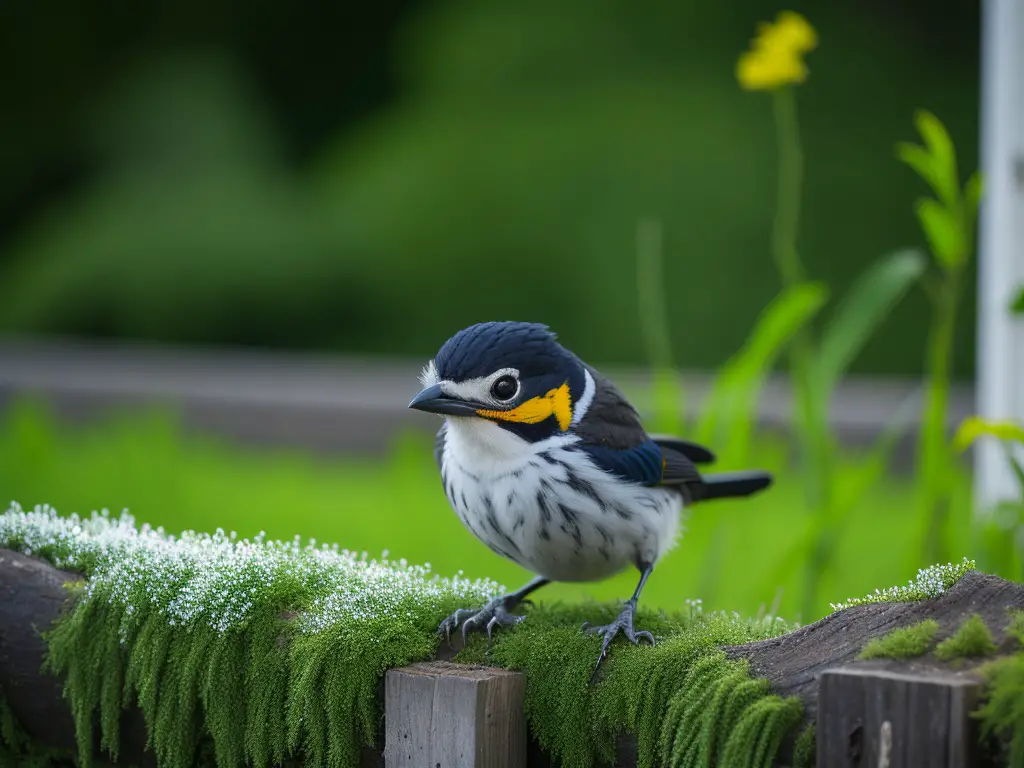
column 333, row 403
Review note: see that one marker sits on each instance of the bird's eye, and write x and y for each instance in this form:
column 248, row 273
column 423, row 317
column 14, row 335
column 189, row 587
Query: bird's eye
column 505, row 388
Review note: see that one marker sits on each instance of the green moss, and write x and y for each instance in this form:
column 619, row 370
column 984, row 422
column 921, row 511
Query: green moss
column 1015, row 628
column 263, row 652
column 1002, row 714
column 930, row 582
column 259, row 653
column 903, row 643
column 687, row 704
column 805, row 750
column 972, row 639
column 266, row 647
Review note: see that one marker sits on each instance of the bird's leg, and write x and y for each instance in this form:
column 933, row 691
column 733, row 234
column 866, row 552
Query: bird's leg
column 624, row 622
column 498, row 612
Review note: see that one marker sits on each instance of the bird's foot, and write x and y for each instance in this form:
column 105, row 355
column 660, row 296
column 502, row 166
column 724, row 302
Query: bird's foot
column 623, row 624
column 497, row 613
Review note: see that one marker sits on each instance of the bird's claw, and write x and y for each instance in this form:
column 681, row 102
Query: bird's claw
column 494, row 614
column 453, row 622
column 624, row 624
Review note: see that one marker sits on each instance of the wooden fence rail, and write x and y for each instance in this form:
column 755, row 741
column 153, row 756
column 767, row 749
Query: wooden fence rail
column 461, row 716
column 880, row 717
column 877, row 714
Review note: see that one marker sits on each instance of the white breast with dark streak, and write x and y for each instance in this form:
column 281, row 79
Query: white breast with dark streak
column 548, row 508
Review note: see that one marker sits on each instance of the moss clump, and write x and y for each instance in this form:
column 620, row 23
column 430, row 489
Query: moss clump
column 930, row 582
column 267, row 651
column 972, row 639
column 1015, row 628
column 903, row 643
column 1002, row 714
column 687, row 704
column 195, row 629
column 805, row 750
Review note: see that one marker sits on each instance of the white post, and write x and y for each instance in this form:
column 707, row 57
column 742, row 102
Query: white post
column 1000, row 369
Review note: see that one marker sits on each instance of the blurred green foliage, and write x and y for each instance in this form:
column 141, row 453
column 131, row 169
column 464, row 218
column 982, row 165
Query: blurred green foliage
column 735, row 555
column 1003, row 529
column 948, row 221
column 818, row 362
column 505, row 181
column 1017, row 306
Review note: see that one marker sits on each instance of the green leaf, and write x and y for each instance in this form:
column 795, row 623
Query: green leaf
column 974, row 427
column 869, row 301
column 918, row 158
column 942, row 232
column 943, row 164
column 856, row 482
column 973, row 190
column 1017, row 306
column 787, row 313
column 1018, row 470
column 733, row 396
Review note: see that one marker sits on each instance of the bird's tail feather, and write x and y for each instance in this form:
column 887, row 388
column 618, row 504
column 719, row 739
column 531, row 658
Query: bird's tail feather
column 723, row 485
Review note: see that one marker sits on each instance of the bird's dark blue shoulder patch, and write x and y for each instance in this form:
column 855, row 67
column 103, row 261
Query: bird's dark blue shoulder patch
column 641, row 464
column 481, row 349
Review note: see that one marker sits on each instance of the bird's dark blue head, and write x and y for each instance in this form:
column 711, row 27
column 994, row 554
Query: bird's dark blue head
column 514, row 374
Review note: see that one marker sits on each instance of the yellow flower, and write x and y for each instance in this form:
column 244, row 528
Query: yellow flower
column 775, row 57
column 974, row 427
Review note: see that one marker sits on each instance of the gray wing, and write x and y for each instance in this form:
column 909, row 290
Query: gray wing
column 615, row 439
column 611, row 421
column 695, row 452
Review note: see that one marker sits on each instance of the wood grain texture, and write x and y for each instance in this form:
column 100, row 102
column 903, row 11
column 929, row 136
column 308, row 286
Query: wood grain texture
column 878, row 718
column 794, row 662
column 444, row 715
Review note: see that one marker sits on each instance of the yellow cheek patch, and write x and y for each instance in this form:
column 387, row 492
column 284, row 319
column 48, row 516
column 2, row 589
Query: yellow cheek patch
column 555, row 403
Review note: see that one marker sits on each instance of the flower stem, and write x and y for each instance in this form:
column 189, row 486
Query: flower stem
column 791, row 169
column 934, row 452
column 654, row 326
column 811, row 421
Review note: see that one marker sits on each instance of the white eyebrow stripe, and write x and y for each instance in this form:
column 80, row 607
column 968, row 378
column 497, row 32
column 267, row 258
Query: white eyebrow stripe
column 479, row 389
column 583, row 405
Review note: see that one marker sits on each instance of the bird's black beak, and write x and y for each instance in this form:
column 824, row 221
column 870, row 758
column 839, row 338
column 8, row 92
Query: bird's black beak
column 433, row 400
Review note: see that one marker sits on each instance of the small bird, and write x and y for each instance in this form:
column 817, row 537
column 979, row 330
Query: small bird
column 548, row 464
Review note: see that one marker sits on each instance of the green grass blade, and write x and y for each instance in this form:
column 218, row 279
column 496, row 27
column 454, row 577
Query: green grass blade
column 919, row 160
column 869, row 301
column 1018, row 470
column 942, row 230
column 974, row 188
column 940, row 147
column 734, row 393
column 858, row 481
column 654, row 326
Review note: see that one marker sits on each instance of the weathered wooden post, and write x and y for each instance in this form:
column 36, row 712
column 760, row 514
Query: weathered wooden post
column 443, row 715
column 871, row 717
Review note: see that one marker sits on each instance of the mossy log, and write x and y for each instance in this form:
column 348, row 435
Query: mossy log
column 33, row 594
